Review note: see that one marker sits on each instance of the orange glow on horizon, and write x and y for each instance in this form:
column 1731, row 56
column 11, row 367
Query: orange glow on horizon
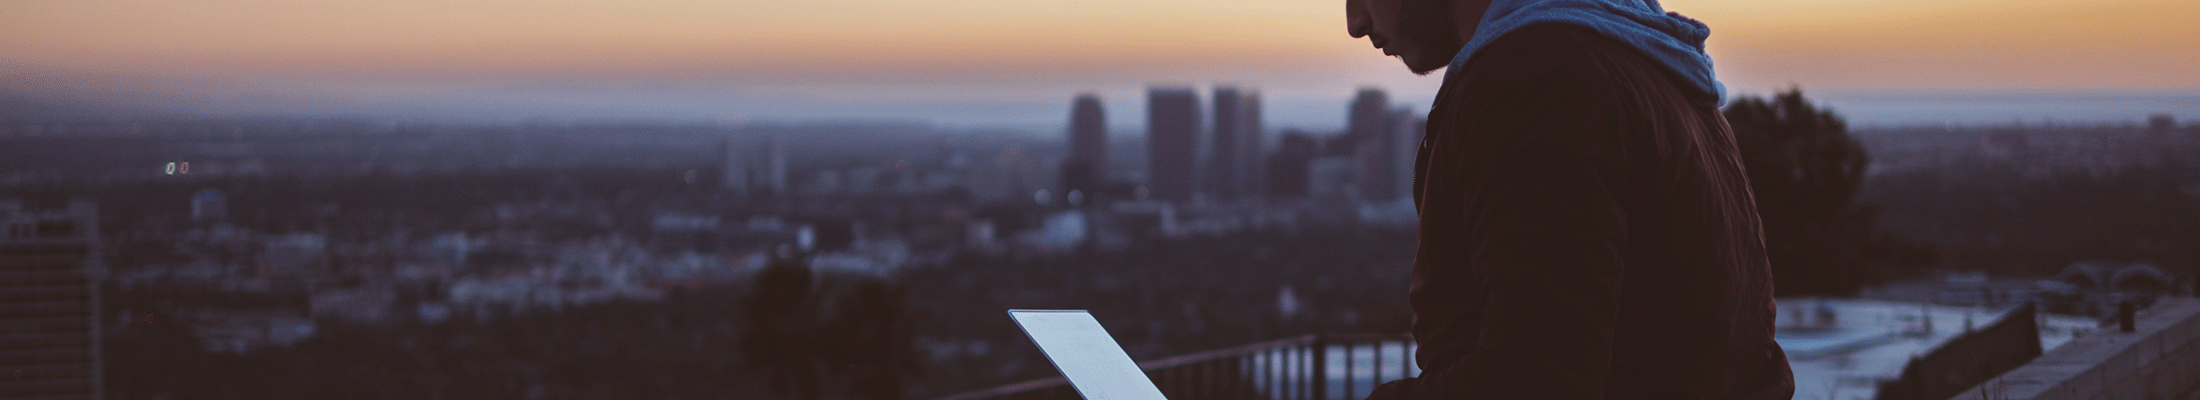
column 1857, row 44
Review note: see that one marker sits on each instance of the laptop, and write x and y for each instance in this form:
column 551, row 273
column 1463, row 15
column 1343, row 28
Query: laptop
column 1096, row 366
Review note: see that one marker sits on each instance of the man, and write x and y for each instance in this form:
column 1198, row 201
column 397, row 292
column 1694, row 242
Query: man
column 1586, row 228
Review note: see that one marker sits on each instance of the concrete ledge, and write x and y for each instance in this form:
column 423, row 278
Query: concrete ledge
column 2160, row 360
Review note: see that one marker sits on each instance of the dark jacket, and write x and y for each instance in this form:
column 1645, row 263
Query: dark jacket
column 1586, row 232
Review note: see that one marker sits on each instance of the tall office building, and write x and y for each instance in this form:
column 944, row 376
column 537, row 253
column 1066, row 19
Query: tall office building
column 1223, row 150
column 772, row 167
column 761, row 169
column 1288, row 167
column 733, row 168
column 49, row 292
column 1087, row 166
column 1375, row 144
column 1172, row 140
column 1234, row 158
column 1256, row 136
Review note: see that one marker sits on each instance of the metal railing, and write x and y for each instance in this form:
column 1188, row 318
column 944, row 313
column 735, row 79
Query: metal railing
column 1311, row 367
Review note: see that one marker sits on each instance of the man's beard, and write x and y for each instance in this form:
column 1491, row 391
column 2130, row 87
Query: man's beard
column 1428, row 62
column 1429, row 24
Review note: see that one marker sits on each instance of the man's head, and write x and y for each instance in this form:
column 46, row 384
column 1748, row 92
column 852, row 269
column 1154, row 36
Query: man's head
column 1423, row 33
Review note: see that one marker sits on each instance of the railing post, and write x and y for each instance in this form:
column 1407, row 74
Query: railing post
column 1176, row 378
column 1299, row 383
column 1245, row 367
column 1321, row 367
column 1301, row 374
column 1378, row 381
column 1351, row 370
column 1263, row 379
column 1192, row 384
column 1206, row 381
column 1267, row 377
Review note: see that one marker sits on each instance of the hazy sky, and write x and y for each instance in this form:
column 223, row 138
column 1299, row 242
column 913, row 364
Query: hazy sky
column 983, row 60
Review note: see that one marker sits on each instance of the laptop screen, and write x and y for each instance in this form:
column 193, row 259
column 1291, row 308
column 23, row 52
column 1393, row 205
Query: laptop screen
column 1096, row 366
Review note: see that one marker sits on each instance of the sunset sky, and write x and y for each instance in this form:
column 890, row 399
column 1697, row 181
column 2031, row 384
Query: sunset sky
column 980, row 61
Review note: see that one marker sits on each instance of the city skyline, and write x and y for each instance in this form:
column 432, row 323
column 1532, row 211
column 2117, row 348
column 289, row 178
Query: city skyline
column 1003, row 63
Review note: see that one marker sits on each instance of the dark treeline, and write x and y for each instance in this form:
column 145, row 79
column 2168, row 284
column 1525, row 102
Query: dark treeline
column 1996, row 217
column 689, row 345
column 2014, row 201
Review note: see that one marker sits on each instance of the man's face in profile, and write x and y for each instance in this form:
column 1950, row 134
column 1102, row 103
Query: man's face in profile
column 1422, row 33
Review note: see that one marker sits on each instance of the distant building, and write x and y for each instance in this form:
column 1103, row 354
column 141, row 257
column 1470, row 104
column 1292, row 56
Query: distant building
column 733, row 168
column 1087, row 167
column 773, row 168
column 1235, row 153
column 761, row 169
column 1255, row 142
column 294, row 253
column 1172, row 135
column 209, row 205
column 1375, row 144
column 1288, row 167
column 1334, row 178
column 50, row 271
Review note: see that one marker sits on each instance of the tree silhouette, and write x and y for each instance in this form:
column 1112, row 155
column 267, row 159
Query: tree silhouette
column 781, row 338
column 1806, row 171
column 871, row 334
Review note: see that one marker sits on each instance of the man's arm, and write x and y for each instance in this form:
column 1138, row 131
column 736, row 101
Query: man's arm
column 1546, row 233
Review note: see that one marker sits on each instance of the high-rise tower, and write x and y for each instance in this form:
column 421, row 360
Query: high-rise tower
column 49, row 290
column 1087, row 166
column 733, row 168
column 1172, row 137
column 1375, row 143
column 760, row 169
column 1235, row 156
column 1254, row 156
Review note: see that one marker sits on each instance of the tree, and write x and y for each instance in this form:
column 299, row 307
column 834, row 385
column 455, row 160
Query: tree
column 781, row 338
column 872, row 336
column 1805, row 171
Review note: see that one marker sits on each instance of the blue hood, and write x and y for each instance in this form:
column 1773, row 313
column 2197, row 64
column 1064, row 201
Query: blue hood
column 1668, row 38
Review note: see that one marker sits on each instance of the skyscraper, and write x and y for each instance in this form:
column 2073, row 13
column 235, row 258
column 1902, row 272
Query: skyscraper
column 762, row 169
column 1172, row 139
column 772, row 167
column 1375, row 143
column 49, row 288
column 1222, row 168
column 1287, row 168
column 733, row 168
column 1087, row 166
column 1255, row 139
column 1234, row 160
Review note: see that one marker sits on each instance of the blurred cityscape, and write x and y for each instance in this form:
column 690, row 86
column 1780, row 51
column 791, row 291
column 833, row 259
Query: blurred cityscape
column 290, row 257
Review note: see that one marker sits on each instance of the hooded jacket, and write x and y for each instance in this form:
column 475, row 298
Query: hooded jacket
column 1586, row 232
column 1668, row 39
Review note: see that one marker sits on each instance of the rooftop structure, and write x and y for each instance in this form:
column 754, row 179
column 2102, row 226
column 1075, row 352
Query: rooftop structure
column 1172, row 131
column 1233, row 165
column 49, row 302
column 1087, row 166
